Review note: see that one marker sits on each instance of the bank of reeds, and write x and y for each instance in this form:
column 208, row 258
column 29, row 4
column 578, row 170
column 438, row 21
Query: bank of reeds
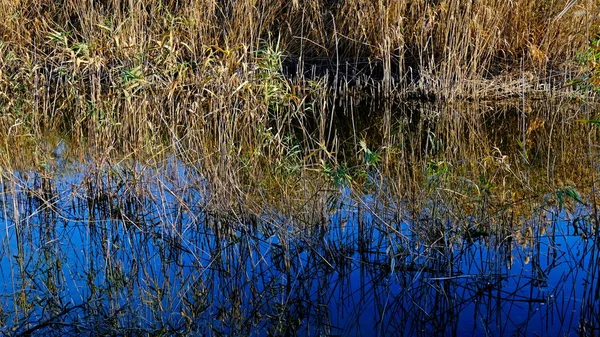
column 66, row 54
column 259, row 101
column 441, row 44
column 235, row 85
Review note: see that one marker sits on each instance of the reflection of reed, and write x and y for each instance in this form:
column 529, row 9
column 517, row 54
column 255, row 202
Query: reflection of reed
column 129, row 251
column 589, row 324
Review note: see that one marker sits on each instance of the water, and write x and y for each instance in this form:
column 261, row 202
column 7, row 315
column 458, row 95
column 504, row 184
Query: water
column 462, row 221
column 133, row 249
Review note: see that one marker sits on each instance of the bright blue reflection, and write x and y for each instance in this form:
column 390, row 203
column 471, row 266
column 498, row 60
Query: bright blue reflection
column 134, row 250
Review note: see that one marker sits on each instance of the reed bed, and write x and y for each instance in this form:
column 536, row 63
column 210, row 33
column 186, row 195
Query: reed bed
column 159, row 68
column 237, row 84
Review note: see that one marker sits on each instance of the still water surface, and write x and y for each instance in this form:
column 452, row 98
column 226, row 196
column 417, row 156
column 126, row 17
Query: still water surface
column 453, row 238
column 85, row 253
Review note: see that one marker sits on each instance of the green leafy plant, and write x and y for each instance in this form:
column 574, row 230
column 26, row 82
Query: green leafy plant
column 58, row 37
column 435, row 171
column 371, row 158
column 81, row 49
column 132, row 80
column 132, row 75
column 565, row 194
column 340, row 176
column 589, row 80
column 275, row 88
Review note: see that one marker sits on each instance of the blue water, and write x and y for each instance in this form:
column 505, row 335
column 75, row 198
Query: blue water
column 134, row 250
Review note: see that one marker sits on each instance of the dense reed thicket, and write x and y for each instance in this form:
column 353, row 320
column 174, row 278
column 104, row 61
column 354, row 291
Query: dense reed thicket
column 241, row 83
column 440, row 44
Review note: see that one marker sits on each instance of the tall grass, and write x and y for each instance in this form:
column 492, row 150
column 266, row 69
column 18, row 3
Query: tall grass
column 448, row 40
column 211, row 79
column 122, row 73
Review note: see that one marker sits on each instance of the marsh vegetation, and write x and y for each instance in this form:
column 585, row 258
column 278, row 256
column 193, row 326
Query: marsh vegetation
column 304, row 167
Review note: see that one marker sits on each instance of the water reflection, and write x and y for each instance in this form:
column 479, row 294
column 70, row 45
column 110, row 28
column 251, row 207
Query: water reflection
column 137, row 250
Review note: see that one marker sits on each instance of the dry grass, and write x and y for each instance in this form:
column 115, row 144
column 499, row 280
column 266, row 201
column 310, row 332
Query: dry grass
column 206, row 78
column 446, row 48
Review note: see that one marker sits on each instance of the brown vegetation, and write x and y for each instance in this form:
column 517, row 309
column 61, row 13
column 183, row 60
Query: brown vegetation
column 207, row 78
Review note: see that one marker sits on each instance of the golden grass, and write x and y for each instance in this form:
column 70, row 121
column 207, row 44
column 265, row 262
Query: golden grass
column 206, row 78
column 447, row 46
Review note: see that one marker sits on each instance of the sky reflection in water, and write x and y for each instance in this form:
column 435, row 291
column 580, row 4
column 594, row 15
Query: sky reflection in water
column 134, row 250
